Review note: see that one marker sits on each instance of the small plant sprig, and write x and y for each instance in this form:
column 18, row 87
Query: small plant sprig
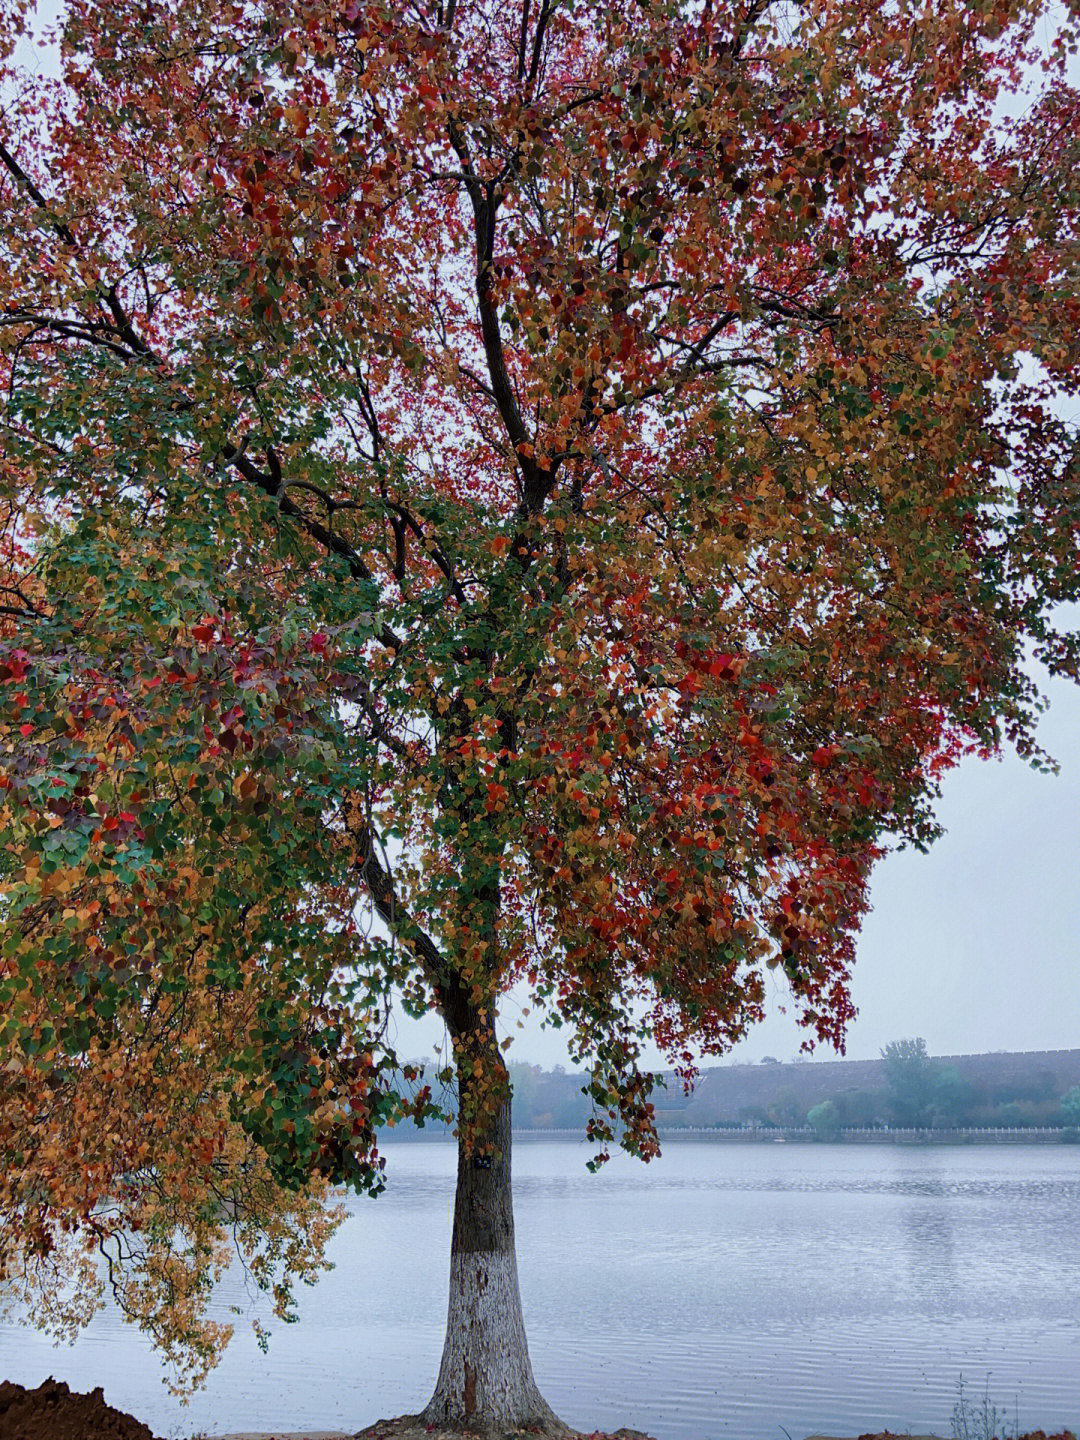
column 984, row 1421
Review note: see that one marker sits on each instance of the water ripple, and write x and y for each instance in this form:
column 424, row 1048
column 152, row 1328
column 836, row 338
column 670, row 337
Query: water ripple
column 726, row 1292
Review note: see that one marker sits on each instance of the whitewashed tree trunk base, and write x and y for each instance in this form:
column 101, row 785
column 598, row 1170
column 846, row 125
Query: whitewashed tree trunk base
column 485, row 1379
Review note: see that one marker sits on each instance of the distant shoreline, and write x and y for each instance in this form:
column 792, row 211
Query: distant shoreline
column 979, row 1099
column 1030, row 1135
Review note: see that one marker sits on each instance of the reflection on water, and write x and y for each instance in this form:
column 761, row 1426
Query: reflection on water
column 727, row 1290
column 927, row 1229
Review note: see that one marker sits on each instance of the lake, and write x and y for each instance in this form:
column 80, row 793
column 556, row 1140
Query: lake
column 727, row 1290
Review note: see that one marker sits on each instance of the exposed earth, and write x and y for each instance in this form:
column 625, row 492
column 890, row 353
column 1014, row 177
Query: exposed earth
column 53, row 1412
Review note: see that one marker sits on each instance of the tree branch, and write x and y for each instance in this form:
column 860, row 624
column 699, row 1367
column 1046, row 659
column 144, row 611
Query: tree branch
column 524, row 38
column 25, row 183
column 453, row 997
column 336, row 544
column 538, row 483
column 541, row 26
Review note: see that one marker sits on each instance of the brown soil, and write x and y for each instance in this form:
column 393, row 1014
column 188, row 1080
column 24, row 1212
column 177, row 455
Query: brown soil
column 53, row 1412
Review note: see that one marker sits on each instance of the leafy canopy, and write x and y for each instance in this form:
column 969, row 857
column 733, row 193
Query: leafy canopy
column 488, row 492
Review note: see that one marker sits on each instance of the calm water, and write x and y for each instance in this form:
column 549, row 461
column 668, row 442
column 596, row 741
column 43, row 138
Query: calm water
column 728, row 1290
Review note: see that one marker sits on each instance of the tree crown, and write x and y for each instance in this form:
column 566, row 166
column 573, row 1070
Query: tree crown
column 490, row 492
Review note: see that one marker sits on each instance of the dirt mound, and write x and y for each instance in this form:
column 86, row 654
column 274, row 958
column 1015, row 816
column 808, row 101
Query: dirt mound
column 53, row 1412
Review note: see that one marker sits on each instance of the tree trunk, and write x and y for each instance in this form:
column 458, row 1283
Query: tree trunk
column 485, row 1380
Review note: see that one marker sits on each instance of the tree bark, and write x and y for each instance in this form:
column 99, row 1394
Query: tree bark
column 485, row 1380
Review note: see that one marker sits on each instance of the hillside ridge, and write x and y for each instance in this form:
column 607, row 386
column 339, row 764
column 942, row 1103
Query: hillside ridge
column 991, row 1089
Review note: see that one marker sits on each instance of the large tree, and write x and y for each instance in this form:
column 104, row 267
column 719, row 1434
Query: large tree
column 910, row 1075
column 493, row 491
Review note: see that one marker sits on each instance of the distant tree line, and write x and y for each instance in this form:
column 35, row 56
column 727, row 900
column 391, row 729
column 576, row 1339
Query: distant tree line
column 926, row 1093
column 907, row 1088
column 922, row 1093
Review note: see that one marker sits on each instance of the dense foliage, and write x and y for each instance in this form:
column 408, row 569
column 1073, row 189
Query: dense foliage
column 489, row 492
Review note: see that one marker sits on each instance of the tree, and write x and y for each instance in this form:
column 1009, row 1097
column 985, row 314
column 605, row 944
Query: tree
column 1070, row 1106
column 785, row 1110
column 825, row 1118
column 910, row 1076
column 492, row 492
column 859, row 1109
column 952, row 1097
